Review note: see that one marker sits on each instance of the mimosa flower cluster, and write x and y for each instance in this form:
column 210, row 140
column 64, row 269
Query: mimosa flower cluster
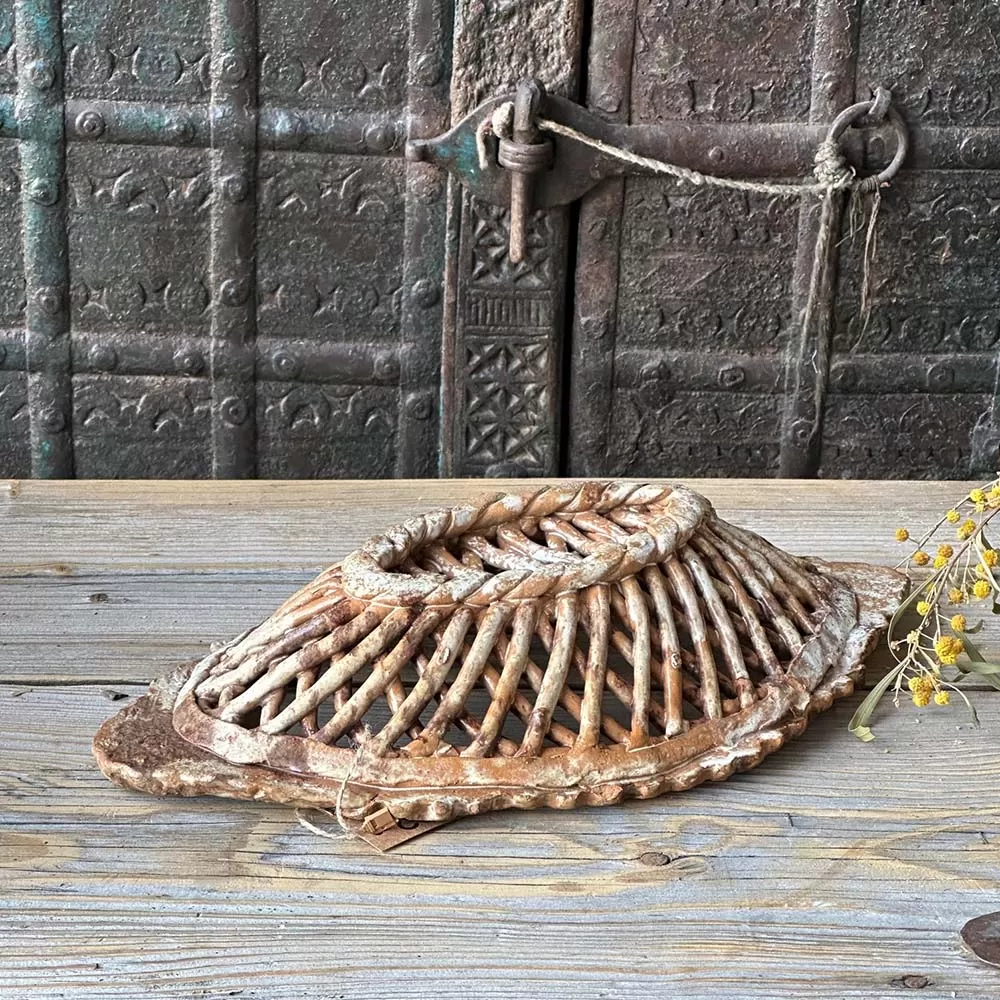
column 934, row 656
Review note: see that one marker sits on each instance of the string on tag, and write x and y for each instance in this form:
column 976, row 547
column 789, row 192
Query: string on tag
column 350, row 832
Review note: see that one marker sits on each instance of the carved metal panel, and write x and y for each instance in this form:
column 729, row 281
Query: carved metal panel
column 504, row 325
column 213, row 257
column 687, row 355
column 215, row 260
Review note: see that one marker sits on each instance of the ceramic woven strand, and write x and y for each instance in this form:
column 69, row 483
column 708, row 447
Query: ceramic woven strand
column 574, row 645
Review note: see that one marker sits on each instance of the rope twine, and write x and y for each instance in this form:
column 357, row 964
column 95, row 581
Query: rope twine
column 368, row 572
column 351, row 832
column 833, row 175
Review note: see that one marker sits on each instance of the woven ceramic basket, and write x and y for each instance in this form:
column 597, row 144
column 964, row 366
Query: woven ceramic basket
column 570, row 646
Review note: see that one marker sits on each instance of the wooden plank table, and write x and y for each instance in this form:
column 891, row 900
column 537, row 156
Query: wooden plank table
column 836, row 869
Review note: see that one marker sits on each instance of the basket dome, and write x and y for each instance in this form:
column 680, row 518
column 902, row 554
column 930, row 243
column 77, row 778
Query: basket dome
column 573, row 645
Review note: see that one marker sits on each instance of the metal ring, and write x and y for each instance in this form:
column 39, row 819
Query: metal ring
column 525, row 157
column 881, row 101
column 854, row 114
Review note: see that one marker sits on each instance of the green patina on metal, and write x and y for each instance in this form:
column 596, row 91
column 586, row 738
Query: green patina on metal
column 39, row 108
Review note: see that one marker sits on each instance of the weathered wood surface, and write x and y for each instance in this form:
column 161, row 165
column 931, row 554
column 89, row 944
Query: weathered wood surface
column 126, row 583
column 836, row 869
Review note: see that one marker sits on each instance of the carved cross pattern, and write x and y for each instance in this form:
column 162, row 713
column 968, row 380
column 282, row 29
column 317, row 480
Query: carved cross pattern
column 506, row 400
column 491, row 263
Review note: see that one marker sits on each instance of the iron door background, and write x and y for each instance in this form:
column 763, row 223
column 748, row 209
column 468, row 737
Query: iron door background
column 215, row 260
column 686, row 325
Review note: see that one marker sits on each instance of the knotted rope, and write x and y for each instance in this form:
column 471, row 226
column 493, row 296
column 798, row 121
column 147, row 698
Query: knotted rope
column 833, row 178
column 351, row 832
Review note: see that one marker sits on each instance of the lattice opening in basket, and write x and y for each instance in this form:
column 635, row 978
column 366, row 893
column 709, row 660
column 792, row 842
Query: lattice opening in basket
column 572, row 645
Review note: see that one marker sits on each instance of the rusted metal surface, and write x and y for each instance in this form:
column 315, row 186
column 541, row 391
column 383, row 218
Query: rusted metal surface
column 982, row 935
column 472, row 659
column 216, row 260
column 504, row 332
column 569, row 169
column 686, row 350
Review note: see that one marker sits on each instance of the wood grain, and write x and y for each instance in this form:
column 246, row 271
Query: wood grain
column 834, row 867
column 68, row 528
column 157, row 574
column 834, row 870
column 132, row 627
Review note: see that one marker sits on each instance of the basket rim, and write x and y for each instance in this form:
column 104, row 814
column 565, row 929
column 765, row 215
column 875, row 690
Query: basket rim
column 368, row 573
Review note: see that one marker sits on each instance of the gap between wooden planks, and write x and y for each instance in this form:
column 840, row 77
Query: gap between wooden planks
column 835, row 867
column 67, row 528
column 120, row 581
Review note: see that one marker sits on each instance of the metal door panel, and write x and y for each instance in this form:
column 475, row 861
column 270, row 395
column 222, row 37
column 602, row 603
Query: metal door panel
column 688, row 357
column 505, row 323
column 229, row 269
column 913, row 394
column 215, row 260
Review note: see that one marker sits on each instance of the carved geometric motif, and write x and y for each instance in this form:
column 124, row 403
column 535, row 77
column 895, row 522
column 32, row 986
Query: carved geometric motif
column 491, row 264
column 325, row 54
column 156, row 427
column 722, row 60
column 317, row 431
column 153, row 273
column 506, row 402
column 505, row 327
column 344, row 217
column 957, row 83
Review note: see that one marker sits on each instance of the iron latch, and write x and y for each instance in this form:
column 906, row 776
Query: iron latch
column 500, row 153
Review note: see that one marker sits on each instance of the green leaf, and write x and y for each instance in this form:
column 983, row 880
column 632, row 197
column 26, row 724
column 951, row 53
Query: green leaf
column 859, row 721
column 972, row 650
column 989, row 672
column 911, row 598
column 978, row 627
column 981, row 667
